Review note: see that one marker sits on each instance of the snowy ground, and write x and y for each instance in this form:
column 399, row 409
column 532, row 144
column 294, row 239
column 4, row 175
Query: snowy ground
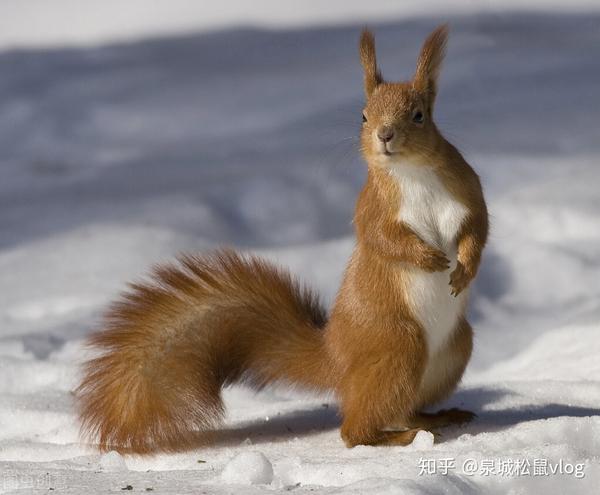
column 115, row 157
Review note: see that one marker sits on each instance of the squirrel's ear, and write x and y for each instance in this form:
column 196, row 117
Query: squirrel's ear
column 368, row 59
column 430, row 62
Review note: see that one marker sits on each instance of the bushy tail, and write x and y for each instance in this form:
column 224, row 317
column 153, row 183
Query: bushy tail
column 170, row 345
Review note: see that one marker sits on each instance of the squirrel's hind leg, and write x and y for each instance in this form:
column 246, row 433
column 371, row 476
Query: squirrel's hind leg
column 447, row 366
column 380, row 386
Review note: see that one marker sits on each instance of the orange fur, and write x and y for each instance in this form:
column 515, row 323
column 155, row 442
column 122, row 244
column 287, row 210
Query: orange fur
column 170, row 345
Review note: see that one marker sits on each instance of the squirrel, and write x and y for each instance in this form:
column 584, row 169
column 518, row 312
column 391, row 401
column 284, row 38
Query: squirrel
column 395, row 341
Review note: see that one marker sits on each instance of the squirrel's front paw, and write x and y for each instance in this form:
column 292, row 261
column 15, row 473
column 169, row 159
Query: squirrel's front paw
column 459, row 279
column 432, row 260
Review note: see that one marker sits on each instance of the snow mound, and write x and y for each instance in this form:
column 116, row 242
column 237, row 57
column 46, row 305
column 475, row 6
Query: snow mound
column 423, row 440
column 248, row 468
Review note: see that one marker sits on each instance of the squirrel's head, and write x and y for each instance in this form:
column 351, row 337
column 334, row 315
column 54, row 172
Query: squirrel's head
column 398, row 117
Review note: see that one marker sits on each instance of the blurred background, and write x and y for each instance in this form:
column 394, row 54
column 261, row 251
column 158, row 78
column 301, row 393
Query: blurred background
column 130, row 131
column 133, row 130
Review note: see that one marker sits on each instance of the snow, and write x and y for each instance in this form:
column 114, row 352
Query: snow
column 35, row 23
column 112, row 461
column 424, row 440
column 117, row 156
column 248, row 468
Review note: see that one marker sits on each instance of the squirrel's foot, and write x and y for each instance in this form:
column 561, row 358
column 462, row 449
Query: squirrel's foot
column 458, row 416
column 444, row 417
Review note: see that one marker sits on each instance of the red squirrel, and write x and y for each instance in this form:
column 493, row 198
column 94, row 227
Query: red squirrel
column 396, row 340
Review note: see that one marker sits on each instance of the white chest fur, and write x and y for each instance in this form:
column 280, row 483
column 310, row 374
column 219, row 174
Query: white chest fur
column 436, row 217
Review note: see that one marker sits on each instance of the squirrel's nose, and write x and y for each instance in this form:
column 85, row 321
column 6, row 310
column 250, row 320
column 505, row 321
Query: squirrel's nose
column 385, row 133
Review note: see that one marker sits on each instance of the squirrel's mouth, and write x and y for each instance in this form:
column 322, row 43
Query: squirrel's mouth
column 384, row 149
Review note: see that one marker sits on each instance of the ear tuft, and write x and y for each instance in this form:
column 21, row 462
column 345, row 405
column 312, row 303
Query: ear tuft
column 430, row 61
column 368, row 59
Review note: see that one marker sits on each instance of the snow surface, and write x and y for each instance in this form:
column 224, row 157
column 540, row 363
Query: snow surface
column 118, row 156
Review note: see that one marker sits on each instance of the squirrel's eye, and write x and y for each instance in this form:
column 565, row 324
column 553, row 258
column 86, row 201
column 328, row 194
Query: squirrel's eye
column 418, row 117
column 364, row 118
